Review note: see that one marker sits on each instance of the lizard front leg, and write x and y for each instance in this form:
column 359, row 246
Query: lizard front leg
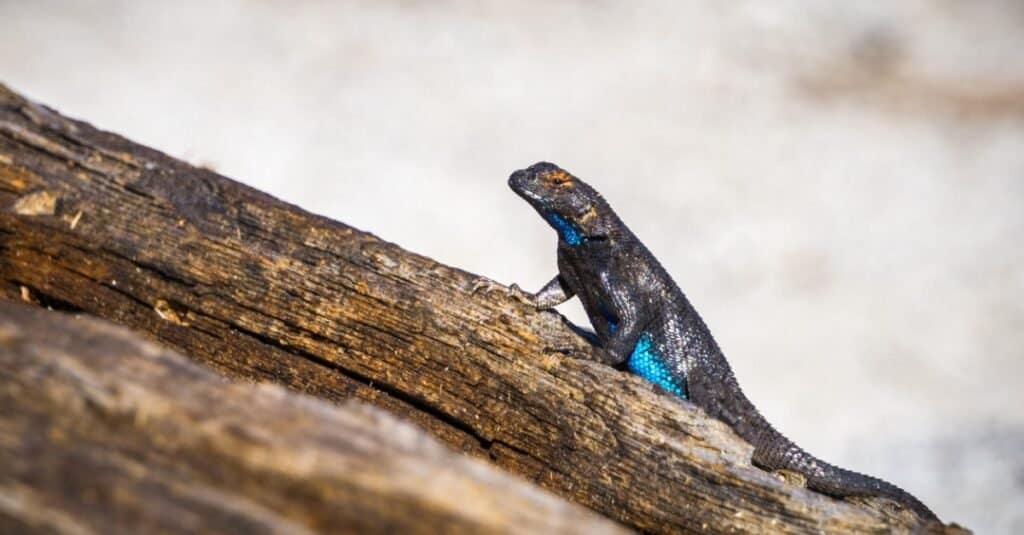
column 554, row 293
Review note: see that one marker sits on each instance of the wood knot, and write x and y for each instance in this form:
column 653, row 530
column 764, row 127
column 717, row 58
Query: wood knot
column 167, row 313
column 36, row 203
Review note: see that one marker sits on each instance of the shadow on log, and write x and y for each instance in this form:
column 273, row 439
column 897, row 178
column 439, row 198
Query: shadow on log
column 105, row 432
column 264, row 291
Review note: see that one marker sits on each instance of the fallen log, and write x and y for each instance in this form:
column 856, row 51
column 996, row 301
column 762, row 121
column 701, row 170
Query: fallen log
column 106, row 433
column 264, row 291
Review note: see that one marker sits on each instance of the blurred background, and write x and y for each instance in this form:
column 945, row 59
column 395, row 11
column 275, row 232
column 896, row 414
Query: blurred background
column 837, row 186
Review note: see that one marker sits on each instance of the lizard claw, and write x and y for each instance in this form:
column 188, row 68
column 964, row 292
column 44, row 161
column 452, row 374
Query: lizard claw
column 524, row 297
column 514, row 292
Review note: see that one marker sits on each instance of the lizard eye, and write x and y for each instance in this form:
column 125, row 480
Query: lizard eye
column 557, row 178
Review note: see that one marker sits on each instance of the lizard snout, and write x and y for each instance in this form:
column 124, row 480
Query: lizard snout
column 523, row 177
column 520, row 179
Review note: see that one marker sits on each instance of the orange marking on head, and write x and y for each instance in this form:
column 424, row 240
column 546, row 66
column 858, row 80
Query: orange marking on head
column 588, row 215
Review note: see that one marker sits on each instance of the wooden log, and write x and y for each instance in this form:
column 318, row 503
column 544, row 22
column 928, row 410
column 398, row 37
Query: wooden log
column 103, row 432
column 262, row 290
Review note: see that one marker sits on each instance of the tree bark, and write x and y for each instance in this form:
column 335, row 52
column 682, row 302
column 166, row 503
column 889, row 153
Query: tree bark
column 106, row 433
column 264, row 291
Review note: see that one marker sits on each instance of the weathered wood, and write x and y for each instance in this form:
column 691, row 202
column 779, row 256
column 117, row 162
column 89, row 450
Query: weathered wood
column 103, row 432
column 265, row 291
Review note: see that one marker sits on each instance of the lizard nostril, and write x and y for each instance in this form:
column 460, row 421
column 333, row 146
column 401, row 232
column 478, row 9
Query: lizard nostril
column 520, row 178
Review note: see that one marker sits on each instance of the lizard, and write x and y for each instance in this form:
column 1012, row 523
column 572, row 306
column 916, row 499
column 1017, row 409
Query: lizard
column 642, row 319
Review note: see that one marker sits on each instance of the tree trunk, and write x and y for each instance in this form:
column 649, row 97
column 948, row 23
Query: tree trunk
column 106, row 433
column 264, row 291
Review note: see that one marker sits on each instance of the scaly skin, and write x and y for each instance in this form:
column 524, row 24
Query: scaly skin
column 642, row 318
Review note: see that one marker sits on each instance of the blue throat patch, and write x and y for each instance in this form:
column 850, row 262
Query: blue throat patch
column 646, row 363
column 567, row 230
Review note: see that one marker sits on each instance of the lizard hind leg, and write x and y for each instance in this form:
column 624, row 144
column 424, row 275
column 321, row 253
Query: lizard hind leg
column 790, row 477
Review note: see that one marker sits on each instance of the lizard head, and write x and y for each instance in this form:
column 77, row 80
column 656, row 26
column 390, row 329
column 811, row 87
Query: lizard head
column 573, row 208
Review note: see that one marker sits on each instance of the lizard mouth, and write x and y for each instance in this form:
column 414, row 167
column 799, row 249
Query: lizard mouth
column 529, row 196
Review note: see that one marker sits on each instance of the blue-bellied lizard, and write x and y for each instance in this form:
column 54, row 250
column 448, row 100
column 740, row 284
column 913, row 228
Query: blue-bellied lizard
column 641, row 318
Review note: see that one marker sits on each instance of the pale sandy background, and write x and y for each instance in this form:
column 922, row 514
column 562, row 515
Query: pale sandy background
column 838, row 186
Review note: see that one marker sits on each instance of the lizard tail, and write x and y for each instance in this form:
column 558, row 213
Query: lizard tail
column 779, row 453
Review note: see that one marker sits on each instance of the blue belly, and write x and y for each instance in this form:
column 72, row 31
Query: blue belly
column 646, row 363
